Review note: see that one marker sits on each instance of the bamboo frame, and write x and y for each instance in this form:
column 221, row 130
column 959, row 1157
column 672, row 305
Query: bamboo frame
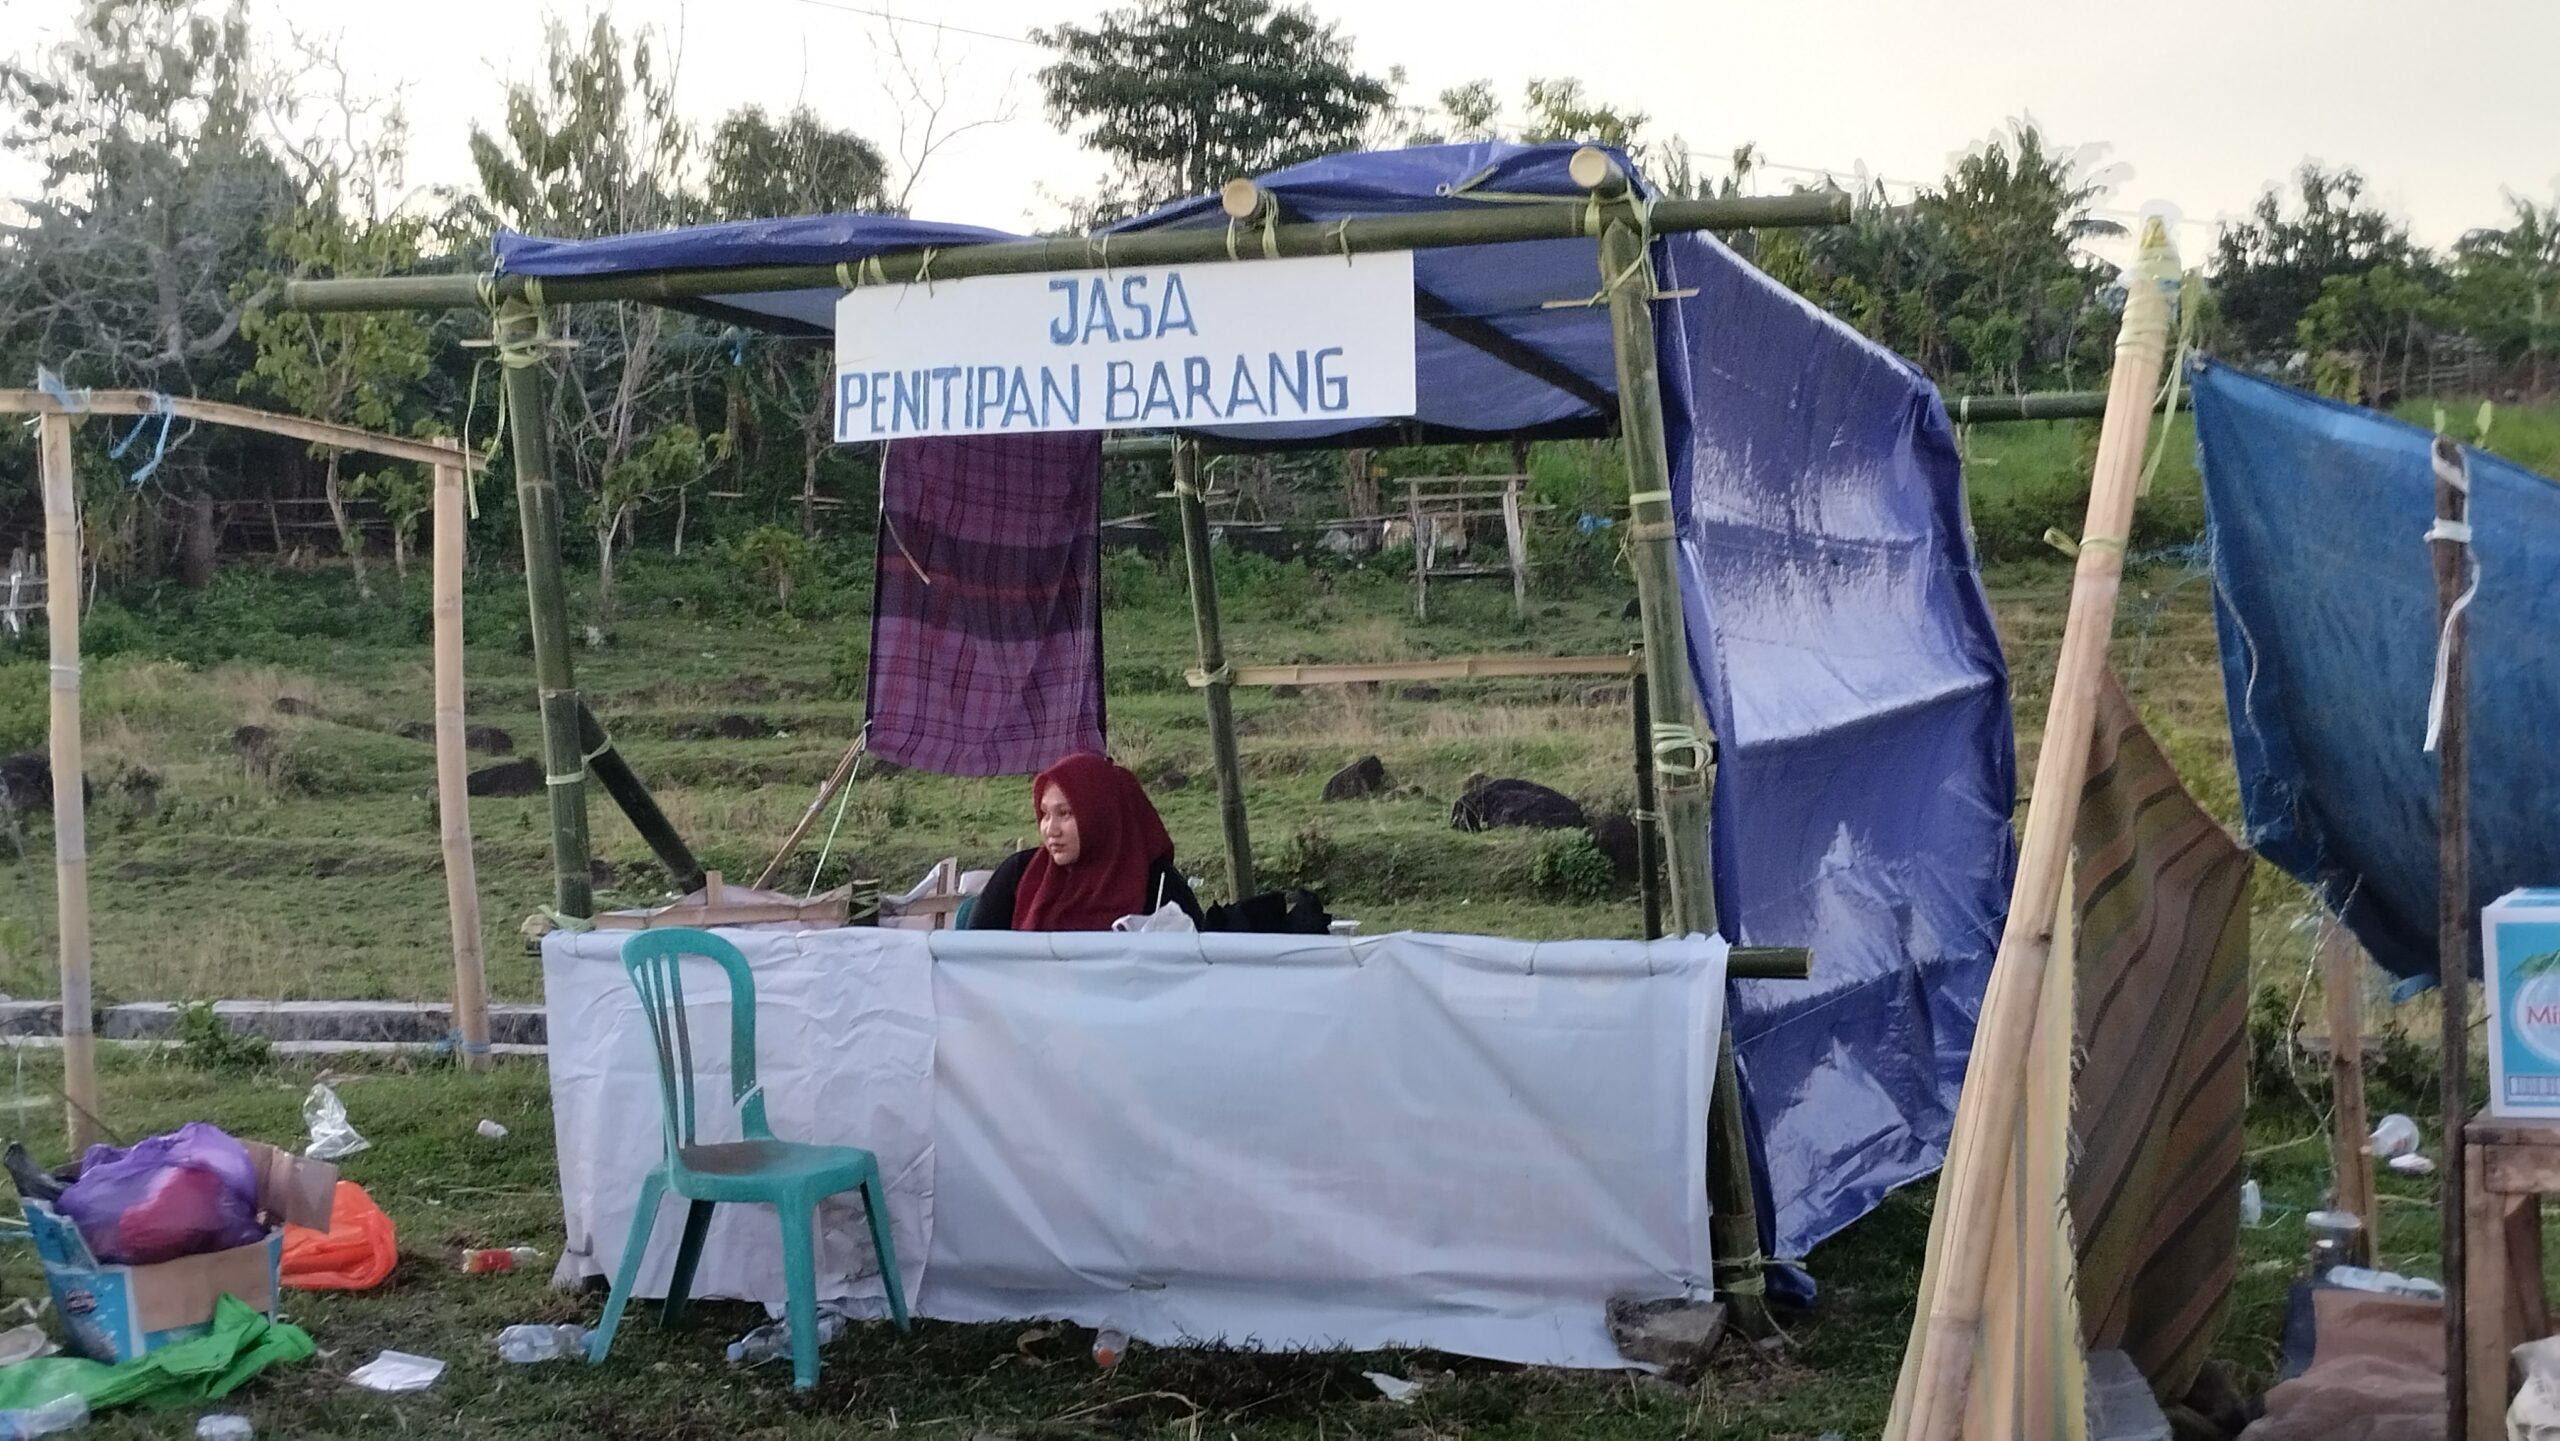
column 1473, row 667
column 1938, row 1368
column 70, row 799
column 517, row 328
column 239, row 417
column 453, row 795
column 1679, row 750
column 1216, row 681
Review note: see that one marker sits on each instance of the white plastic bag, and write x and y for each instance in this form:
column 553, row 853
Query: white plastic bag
column 2535, row 1414
column 331, row 1135
column 1168, row 917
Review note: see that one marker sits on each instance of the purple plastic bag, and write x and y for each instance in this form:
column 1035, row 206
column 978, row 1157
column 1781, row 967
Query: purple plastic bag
column 182, row 1194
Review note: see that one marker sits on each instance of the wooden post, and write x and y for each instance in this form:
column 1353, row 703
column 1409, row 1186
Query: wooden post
column 1648, row 822
column 2350, row 1129
column 1938, row 1368
column 518, row 329
column 1421, row 552
column 70, row 799
column 1219, row 691
column 1516, row 540
column 1676, row 738
column 2449, row 542
column 453, row 796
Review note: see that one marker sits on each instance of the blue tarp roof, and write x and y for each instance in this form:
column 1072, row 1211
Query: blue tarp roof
column 2324, row 598
column 1839, row 633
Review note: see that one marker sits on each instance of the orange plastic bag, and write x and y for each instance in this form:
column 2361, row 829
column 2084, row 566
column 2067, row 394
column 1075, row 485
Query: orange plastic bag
column 354, row 1254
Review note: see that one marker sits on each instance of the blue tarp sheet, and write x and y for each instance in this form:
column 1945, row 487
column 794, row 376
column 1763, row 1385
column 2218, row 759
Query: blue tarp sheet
column 1838, row 630
column 2325, row 601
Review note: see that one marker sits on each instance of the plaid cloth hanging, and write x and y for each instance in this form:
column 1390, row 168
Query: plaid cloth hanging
column 986, row 620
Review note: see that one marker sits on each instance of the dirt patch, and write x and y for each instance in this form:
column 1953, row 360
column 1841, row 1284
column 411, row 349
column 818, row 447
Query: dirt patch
column 507, row 778
column 296, row 706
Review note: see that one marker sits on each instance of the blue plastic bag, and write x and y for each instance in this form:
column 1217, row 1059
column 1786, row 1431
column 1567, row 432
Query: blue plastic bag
column 183, row 1194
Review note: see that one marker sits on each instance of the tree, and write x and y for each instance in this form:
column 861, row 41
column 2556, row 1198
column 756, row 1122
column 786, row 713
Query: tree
column 760, row 169
column 1188, row 94
column 2269, row 269
column 2358, row 324
column 597, row 149
column 157, row 194
column 2506, row 288
column 1561, row 110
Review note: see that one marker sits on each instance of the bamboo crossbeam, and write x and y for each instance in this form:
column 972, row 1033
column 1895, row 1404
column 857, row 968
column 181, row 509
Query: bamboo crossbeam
column 1473, row 667
column 214, row 412
column 1490, row 224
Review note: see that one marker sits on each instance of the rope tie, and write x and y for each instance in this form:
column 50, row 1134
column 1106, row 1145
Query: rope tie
column 560, row 922
column 601, row 746
column 64, row 674
column 1679, row 752
column 844, row 275
column 2453, row 469
column 1225, row 674
column 2189, row 289
column 1342, row 239
column 2054, row 537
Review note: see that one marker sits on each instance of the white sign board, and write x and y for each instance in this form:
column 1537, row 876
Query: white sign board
column 1132, row 347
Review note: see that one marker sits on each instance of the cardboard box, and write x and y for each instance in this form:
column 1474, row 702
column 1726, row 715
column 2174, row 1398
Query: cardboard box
column 115, row 1313
column 2520, row 957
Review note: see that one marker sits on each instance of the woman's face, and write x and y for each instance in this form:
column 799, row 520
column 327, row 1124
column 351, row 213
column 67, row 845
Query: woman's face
column 1058, row 828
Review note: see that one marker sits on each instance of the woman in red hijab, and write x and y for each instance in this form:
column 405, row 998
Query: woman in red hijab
column 1103, row 854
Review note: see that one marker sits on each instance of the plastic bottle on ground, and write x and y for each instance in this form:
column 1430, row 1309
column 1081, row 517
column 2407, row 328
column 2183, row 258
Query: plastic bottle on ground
column 772, row 1341
column 1110, row 1343
column 2253, row 1204
column 527, row 1344
column 63, row 1413
column 498, row 1258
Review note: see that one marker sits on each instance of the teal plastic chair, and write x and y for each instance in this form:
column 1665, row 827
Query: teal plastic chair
column 790, row 1177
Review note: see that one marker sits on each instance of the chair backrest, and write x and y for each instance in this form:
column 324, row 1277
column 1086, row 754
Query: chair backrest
column 654, row 959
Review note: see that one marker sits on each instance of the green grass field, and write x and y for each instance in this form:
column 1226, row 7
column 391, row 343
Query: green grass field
column 299, row 860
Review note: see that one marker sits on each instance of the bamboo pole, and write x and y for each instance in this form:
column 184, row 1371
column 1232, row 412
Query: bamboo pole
column 1647, row 819
column 2449, row 544
column 1217, row 684
column 826, row 792
column 1488, row 224
column 70, row 798
column 609, row 770
column 1930, row 1403
column 1676, row 739
column 2350, row 1138
column 453, row 795
column 518, row 330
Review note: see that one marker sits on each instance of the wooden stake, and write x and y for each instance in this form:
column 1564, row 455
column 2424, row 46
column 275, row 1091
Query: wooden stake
column 453, row 795
column 1677, row 740
column 70, row 800
column 1218, row 688
column 518, row 329
column 1938, row 1369
column 2350, row 1129
column 2450, row 546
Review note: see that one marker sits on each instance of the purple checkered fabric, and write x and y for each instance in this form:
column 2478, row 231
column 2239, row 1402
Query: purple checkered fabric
column 986, row 622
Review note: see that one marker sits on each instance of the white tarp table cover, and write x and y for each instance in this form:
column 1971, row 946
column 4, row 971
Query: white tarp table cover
column 1457, row 1142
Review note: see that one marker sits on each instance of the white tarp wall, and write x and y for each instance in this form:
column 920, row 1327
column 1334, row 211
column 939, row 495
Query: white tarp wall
column 1456, row 1142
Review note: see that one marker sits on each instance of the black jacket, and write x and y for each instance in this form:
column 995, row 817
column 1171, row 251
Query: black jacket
column 994, row 910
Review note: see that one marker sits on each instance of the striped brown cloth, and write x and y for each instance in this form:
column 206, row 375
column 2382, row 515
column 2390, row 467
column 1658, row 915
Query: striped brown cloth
column 2163, row 981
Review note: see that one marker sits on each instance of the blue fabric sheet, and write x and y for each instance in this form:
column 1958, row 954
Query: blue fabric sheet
column 2324, row 600
column 1839, row 633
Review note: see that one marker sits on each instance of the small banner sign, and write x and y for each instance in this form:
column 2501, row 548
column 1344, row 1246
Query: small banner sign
column 1133, row 347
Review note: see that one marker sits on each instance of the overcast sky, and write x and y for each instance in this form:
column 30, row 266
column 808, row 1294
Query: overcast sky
column 2199, row 102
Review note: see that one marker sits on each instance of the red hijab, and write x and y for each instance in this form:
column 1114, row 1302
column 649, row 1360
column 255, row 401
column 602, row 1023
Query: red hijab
column 1120, row 836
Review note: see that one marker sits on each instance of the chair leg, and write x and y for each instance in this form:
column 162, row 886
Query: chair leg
column 800, row 1275
column 635, row 1248
column 875, row 1206
column 697, row 1224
